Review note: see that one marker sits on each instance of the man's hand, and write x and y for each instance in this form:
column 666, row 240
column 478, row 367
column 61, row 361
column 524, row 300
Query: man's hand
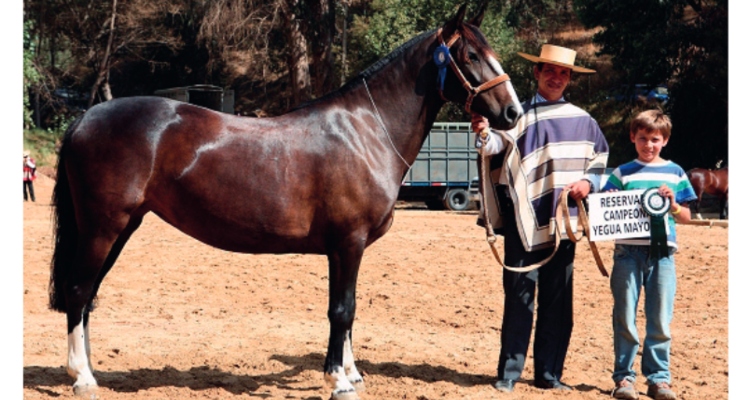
column 479, row 123
column 579, row 190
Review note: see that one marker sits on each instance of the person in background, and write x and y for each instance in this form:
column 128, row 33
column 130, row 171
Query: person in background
column 634, row 267
column 29, row 174
column 555, row 146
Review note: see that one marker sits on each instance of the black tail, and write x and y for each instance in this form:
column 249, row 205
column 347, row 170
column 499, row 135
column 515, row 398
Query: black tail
column 66, row 231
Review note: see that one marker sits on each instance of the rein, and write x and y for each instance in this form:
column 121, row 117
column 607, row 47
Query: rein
column 473, row 91
column 562, row 215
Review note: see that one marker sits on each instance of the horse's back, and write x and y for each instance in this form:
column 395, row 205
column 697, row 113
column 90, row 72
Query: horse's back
column 119, row 147
column 714, row 182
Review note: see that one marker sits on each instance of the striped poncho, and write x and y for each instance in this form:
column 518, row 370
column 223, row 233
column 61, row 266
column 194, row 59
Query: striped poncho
column 553, row 145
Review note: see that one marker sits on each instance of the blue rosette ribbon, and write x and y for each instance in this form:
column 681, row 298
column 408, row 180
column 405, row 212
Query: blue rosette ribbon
column 442, row 57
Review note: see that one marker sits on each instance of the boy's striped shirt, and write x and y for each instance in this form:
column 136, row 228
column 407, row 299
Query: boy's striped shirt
column 639, row 175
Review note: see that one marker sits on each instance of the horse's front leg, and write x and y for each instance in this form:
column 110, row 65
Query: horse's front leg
column 352, row 374
column 340, row 371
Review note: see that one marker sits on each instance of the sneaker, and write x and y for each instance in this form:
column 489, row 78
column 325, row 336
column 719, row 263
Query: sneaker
column 625, row 390
column 661, row 391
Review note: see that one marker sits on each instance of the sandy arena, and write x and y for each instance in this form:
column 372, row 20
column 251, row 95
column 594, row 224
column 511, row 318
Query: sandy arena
column 178, row 319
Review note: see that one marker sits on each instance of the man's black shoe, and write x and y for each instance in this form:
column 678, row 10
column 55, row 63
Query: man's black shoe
column 552, row 385
column 505, row 385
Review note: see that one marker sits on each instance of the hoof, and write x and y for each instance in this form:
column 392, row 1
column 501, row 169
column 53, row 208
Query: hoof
column 350, row 395
column 87, row 392
column 359, row 386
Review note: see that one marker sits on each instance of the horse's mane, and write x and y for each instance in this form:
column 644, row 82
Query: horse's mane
column 468, row 32
column 380, row 64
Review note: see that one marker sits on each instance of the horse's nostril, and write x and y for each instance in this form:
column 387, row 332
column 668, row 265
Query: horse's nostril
column 511, row 114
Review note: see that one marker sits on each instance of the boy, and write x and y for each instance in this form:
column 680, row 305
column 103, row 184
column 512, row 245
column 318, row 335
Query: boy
column 633, row 267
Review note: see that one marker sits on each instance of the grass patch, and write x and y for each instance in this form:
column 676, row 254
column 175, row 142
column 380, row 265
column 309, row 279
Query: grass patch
column 43, row 146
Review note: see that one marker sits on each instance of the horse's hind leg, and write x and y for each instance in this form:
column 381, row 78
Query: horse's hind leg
column 90, row 255
column 697, row 205
column 95, row 256
column 724, row 208
column 340, row 371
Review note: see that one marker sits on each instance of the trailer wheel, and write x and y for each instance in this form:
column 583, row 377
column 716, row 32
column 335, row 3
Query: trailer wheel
column 457, row 200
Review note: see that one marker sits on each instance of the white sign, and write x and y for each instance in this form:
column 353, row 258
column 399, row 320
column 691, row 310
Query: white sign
column 618, row 215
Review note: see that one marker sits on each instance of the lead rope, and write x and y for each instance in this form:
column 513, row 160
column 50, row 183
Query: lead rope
column 562, row 215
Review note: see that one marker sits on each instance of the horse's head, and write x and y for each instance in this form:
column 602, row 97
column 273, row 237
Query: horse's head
column 472, row 74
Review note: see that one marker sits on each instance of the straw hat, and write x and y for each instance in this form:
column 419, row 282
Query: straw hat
column 26, row 153
column 557, row 55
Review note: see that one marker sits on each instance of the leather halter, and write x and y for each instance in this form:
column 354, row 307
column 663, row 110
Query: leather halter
column 473, row 91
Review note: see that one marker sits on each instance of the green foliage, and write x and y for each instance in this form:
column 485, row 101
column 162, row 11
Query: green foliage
column 42, row 144
column 390, row 23
column 31, row 75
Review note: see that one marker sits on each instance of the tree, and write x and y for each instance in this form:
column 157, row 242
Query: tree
column 82, row 41
column 389, row 23
column 323, row 32
column 31, row 75
column 299, row 72
column 683, row 43
column 102, row 76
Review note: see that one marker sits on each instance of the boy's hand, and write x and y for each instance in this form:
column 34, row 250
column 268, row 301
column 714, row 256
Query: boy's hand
column 665, row 191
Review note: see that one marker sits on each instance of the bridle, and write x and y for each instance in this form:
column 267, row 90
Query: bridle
column 473, row 91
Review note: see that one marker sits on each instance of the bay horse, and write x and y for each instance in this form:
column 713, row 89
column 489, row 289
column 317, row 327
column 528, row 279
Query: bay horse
column 320, row 179
column 714, row 182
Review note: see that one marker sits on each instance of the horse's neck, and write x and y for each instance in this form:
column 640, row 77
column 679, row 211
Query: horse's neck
column 406, row 115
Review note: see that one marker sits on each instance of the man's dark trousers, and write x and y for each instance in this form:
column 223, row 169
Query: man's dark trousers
column 554, row 322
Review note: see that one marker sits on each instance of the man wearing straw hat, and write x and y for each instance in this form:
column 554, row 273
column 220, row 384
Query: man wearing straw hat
column 555, row 146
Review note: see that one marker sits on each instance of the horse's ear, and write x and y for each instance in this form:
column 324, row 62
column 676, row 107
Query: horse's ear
column 455, row 22
column 477, row 20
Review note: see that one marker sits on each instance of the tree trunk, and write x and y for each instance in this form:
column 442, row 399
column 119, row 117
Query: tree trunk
column 344, row 66
column 104, row 63
column 324, row 13
column 299, row 72
column 106, row 89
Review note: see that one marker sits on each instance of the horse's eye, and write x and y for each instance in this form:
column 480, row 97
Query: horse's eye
column 473, row 57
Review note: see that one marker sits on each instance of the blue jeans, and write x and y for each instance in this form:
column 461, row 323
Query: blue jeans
column 632, row 270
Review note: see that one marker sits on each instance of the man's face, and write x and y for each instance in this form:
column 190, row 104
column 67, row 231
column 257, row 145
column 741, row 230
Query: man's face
column 552, row 80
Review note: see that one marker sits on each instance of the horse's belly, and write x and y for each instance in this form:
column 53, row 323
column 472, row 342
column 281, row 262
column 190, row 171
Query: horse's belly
column 247, row 235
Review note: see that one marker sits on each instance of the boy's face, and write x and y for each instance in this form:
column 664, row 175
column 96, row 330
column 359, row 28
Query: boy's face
column 552, row 80
column 648, row 144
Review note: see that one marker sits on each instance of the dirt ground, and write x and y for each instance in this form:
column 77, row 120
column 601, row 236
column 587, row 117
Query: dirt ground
column 178, row 319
